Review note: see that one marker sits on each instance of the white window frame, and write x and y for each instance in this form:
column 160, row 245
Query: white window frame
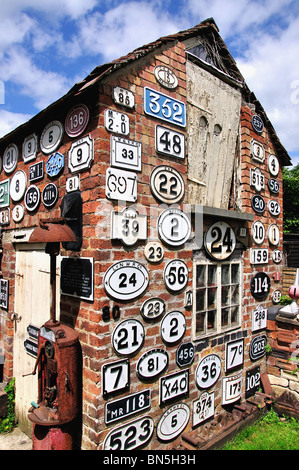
column 218, row 329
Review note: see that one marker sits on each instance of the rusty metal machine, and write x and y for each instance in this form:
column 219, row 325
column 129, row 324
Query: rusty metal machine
column 57, row 361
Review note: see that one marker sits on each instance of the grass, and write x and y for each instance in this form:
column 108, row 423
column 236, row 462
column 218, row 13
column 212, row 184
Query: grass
column 269, row 433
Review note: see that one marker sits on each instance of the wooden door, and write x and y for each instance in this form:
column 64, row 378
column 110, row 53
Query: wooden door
column 32, row 307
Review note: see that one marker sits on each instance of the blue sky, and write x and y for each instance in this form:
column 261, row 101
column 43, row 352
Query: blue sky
column 46, row 46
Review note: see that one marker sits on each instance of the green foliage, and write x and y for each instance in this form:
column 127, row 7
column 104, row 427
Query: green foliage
column 270, row 433
column 285, row 300
column 8, row 422
column 291, row 200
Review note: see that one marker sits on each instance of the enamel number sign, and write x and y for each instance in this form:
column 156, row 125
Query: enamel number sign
column 273, row 165
column 121, row 185
column 125, row 153
column 258, row 203
column 76, row 120
column 173, row 327
column 152, row 308
column 126, row 280
column 173, row 422
column 128, row 226
column 129, row 405
column 29, row 149
column 166, row 77
column 174, row 227
column 128, row 337
column 257, row 179
column 55, row 164
column 231, row 388
column 220, row 240
column 51, row 137
column 154, row 252
column 115, row 377
column 18, row 185
column 258, row 232
column 116, row 122
column 176, row 275
column 208, row 371
column 164, row 107
column 10, row 158
column 121, row 438
column 260, row 285
column 32, row 198
column 257, row 123
column 152, row 363
column 50, row 195
column 174, row 386
column 123, row 97
column 170, row 142
column 185, row 354
column 259, row 318
column 234, row 354
column 167, row 185
column 257, row 347
column 203, row 408
column 81, row 154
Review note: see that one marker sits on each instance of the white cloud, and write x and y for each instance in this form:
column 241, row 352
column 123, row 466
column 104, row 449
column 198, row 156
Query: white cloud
column 10, row 120
column 124, row 28
column 43, row 86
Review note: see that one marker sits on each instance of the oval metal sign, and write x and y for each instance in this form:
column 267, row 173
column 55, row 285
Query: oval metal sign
column 121, row 438
column 32, row 198
column 173, row 422
column 257, row 123
column 128, row 337
column 76, row 120
column 165, row 76
column 174, row 227
column 257, row 347
column 208, row 371
column 10, row 158
column 50, row 195
column 173, row 327
column 51, row 137
column 258, row 203
column 126, row 280
column 167, row 185
column 152, row 308
column 176, row 275
column 260, row 285
column 152, row 363
column 273, row 186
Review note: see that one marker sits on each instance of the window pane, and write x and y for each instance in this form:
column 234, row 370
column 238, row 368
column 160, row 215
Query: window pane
column 200, row 276
column 235, row 294
column 224, row 316
column 235, row 273
column 200, row 322
column 225, row 274
column 200, row 299
column 212, row 275
column 211, row 320
column 235, row 315
column 212, row 295
column 225, row 297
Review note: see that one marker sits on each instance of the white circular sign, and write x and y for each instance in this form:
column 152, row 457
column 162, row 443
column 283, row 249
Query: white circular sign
column 273, row 234
column 152, row 363
column 167, row 185
column 128, row 337
column 32, row 198
column 273, row 165
column 10, row 158
column 126, row 280
column 51, row 137
column 173, row 422
column 208, row 371
column 220, row 240
column 173, row 327
column 176, row 275
column 258, row 232
column 174, row 227
column 18, row 213
column 18, row 185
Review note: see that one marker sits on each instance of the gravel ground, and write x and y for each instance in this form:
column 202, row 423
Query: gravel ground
column 15, row 440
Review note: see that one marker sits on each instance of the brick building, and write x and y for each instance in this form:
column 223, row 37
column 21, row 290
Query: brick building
column 177, row 173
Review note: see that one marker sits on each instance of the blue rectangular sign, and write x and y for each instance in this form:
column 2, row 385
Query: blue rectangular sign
column 164, row 107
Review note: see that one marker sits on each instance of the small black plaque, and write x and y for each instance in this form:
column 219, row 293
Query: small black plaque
column 77, row 277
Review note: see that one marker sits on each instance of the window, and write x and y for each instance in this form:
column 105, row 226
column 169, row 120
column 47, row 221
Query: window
column 217, row 305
